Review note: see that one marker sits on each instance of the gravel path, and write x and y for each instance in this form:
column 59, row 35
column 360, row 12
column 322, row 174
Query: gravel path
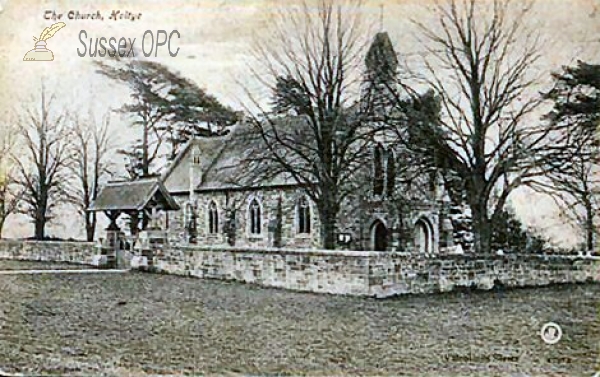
column 142, row 324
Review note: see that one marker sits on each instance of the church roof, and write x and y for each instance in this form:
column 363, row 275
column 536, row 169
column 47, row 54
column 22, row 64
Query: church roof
column 176, row 177
column 133, row 196
column 220, row 163
column 226, row 170
column 220, row 157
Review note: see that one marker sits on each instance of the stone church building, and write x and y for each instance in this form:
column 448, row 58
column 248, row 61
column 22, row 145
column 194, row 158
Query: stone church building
column 228, row 210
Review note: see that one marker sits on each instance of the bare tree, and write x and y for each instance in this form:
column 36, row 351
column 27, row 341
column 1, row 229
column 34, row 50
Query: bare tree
column 575, row 187
column 42, row 164
column 10, row 195
column 91, row 164
column 314, row 133
column 479, row 64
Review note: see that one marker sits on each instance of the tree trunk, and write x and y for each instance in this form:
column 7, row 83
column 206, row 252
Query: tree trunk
column 40, row 215
column 40, row 227
column 589, row 226
column 482, row 231
column 328, row 233
column 328, row 216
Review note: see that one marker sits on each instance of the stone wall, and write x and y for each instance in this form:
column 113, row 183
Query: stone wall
column 48, row 251
column 360, row 273
column 395, row 273
column 337, row 272
column 374, row 274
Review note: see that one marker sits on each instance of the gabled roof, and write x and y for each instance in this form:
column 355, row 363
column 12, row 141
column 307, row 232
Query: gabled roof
column 176, row 176
column 226, row 170
column 220, row 163
column 133, row 196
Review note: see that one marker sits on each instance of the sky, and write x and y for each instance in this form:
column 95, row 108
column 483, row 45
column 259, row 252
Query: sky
column 215, row 40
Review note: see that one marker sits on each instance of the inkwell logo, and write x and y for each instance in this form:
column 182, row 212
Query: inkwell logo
column 40, row 52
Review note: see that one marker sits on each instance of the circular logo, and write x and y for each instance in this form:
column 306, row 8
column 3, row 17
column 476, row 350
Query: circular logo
column 551, row 333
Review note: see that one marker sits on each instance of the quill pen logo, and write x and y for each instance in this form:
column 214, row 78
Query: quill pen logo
column 40, row 52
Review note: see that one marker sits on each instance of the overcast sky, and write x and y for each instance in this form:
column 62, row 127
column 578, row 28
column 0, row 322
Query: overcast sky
column 215, row 39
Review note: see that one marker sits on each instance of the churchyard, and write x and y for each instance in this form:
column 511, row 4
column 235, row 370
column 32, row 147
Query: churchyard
column 139, row 324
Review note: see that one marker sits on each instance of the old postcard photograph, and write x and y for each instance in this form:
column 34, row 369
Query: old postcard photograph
column 300, row 188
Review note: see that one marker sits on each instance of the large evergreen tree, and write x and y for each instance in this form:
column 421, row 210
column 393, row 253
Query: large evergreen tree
column 168, row 108
column 574, row 166
column 576, row 97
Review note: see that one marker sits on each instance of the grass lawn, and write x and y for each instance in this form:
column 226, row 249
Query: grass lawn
column 142, row 324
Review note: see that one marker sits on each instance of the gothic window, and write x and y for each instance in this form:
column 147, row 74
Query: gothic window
column 391, row 172
column 303, row 215
column 195, row 157
column 188, row 214
column 378, row 171
column 254, row 212
column 213, row 218
column 432, row 181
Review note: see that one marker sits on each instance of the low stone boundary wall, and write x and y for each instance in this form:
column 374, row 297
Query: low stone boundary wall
column 323, row 271
column 394, row 274
column 48, row 251
column 359, row 273
column 377, row 274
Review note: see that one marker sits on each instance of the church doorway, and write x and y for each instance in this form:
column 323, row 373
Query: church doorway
column 423, row 237
column 379, row 236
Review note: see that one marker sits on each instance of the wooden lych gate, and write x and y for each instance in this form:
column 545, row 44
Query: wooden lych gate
column 141, row 200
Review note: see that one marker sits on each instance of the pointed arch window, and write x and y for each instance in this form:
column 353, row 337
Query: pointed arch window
column 391, row 172
column 378, row 170
column 196, row 156
column 303, row 211
column 432, row 181
column 255, row 220
column 188, row 215
column 213, row 218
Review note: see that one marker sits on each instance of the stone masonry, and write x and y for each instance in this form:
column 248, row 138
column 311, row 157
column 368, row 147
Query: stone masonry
column 356, row 273
column 48, row 251
column 376, row 274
